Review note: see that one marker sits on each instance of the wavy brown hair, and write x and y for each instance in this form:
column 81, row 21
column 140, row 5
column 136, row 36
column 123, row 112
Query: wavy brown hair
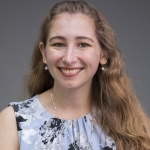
column 122, row 117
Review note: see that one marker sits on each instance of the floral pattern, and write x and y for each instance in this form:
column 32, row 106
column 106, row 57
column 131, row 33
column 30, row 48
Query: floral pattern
column 39, row 130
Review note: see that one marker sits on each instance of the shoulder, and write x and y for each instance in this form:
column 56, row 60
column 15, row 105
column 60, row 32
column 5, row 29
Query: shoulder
column 8, row 130
column 26, row 110
column 7, row 113
column 26, row 103
column 25, row 107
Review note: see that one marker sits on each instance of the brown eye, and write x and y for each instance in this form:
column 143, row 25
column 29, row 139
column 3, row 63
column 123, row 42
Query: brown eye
column 83, row 45
column 59, row 45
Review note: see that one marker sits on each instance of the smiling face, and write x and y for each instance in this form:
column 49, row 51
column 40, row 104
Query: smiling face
column 72, row 52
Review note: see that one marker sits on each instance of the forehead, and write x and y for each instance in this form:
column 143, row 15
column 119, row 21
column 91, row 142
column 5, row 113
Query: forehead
column 78, row 23
column 73, row 16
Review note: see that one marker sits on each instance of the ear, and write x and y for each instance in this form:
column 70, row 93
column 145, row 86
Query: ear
column 103, row 59
column 42, row 49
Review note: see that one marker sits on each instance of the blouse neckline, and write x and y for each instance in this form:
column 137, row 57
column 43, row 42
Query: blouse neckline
column 39, row 102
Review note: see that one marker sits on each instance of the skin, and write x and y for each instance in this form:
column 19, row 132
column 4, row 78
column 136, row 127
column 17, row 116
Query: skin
column 72, row 54
column 8, row 130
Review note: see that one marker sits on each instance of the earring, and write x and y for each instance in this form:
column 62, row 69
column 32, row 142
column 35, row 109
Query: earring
column 46, row 68
column 102, row 68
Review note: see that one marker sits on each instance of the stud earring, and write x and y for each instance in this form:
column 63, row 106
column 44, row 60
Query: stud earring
column 102, row 68
column 46, row 68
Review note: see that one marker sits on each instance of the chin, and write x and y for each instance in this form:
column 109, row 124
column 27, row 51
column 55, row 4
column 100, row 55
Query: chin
column 70, row 85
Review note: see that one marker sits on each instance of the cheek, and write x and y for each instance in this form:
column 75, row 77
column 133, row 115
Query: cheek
column 92, row 61
column 53, row 57
column 93, row 58
column 52, row 61
column 95, row 61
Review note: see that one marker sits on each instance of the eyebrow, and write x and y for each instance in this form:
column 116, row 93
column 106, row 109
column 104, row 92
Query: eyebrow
column 57, row 37
column 63, row 38
column 84, row 37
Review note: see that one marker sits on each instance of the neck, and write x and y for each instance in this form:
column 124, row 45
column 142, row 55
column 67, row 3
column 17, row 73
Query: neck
column 75, row 102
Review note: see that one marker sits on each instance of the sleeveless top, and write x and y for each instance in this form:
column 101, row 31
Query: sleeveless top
column 39, row 130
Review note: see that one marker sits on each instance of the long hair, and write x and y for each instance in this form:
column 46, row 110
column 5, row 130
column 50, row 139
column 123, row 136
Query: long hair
column 122, row 117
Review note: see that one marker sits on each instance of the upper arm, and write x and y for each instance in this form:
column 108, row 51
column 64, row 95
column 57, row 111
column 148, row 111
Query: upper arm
column 8, row 130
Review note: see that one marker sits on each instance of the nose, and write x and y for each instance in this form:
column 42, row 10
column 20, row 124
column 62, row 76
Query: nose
column 69, row 56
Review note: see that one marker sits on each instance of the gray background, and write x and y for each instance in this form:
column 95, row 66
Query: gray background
column 19, row 25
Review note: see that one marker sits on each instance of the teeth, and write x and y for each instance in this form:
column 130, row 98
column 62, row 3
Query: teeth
column 70, row 72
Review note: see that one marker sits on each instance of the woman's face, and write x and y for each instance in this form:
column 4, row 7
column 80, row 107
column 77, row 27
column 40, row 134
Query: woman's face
column 72, row 52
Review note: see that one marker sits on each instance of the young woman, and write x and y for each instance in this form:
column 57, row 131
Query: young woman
column 80, row 95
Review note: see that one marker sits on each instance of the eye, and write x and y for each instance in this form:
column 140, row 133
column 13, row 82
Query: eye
column 59, row 45
column 83, row 45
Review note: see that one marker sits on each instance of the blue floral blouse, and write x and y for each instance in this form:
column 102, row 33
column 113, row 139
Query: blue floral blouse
column 39, row 130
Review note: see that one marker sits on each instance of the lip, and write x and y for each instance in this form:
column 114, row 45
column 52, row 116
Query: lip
column 69, row 72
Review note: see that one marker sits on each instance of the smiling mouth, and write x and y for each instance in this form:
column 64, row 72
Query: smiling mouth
column 70, row 72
